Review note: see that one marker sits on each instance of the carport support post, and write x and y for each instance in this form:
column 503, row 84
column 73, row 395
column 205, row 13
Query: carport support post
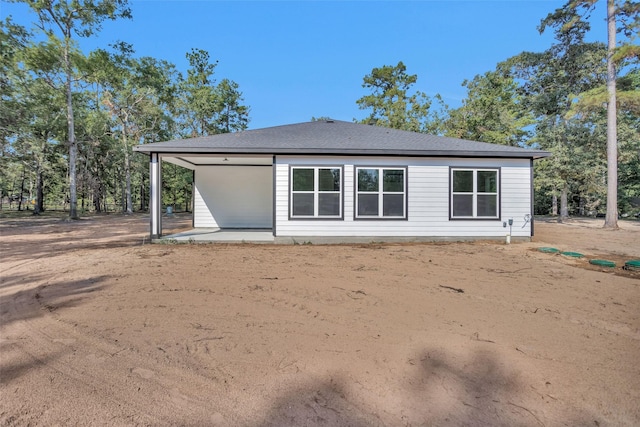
column 155, row 202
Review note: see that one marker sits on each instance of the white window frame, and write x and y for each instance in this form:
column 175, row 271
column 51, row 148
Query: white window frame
column 316, row 193
column 381, row 193
column 474, row 193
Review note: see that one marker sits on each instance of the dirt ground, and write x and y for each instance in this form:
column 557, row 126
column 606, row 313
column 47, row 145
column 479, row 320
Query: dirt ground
column 100, row 328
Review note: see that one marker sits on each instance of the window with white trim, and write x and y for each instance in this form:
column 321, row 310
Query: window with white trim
column 316, row 192
column 475, row 193
column 381, row 193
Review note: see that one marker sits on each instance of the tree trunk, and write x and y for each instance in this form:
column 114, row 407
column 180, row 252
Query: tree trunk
column 96, row 191
column 39, row 207
column 611, row 219
column 143, row 201
column 127, row 171
column 97, row 200
column 12, row 192
column 30, row 198
column 105, row 198
column 581, row 206
column 564, row 205
column 127, row 191
column 73, row 147
column 554, row 204
column 116, row 189
column 123, row 198
column 21, row 190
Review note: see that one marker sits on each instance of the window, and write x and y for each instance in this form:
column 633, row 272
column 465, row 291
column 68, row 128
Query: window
column 316, row 192
column 474, row 193
column 381, row 193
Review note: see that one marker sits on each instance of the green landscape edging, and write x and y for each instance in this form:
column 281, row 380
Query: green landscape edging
column 633, row 264
column 602, row 262
column 548, row 250
column 573, row 254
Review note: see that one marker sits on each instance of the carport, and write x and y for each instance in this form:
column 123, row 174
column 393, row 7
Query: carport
column 232, row 196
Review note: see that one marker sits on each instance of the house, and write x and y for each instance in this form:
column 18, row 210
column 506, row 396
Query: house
column 340, row 181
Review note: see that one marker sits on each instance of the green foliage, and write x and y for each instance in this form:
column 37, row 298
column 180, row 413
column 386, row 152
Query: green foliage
column 392, row 103
column 205, row 108
column 232, row 115
column 130, row 94
column 82, row 18
column 177, row 184
column 13, row 39
column 595, row 100
column 492, row 112
column 57, row 59
column 29, row 125
column 623, row 16
column 64, row 111
column 566, row 89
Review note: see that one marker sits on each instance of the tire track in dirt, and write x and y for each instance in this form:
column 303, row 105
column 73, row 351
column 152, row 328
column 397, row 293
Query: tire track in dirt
column 47, row 346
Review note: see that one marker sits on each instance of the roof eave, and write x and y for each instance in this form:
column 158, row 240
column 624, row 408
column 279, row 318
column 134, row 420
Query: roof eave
column 341, row 152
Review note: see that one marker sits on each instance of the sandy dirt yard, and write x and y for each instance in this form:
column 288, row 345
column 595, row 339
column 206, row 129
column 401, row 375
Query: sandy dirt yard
column 98, row 328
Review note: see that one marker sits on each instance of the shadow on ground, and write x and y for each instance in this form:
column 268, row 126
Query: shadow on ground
column 25, row 303
column 441, row 391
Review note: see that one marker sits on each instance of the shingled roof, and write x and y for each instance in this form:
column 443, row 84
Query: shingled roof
column 333, row 137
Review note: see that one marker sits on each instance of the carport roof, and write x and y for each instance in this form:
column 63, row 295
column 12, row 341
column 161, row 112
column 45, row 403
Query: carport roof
column 333, row 137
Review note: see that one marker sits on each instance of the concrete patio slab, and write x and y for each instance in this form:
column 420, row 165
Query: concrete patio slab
column 217, row 235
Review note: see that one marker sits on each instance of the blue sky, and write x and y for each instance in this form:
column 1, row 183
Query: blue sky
column 298, row 59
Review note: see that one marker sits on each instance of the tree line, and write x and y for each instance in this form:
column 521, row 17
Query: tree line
column 69, row 120
column 579, row 100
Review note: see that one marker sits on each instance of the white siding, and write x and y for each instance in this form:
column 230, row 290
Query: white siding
column 233, row 197
column 428, row 200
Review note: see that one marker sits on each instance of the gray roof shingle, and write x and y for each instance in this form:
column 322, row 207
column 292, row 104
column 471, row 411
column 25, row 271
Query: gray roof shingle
column 333, row 137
